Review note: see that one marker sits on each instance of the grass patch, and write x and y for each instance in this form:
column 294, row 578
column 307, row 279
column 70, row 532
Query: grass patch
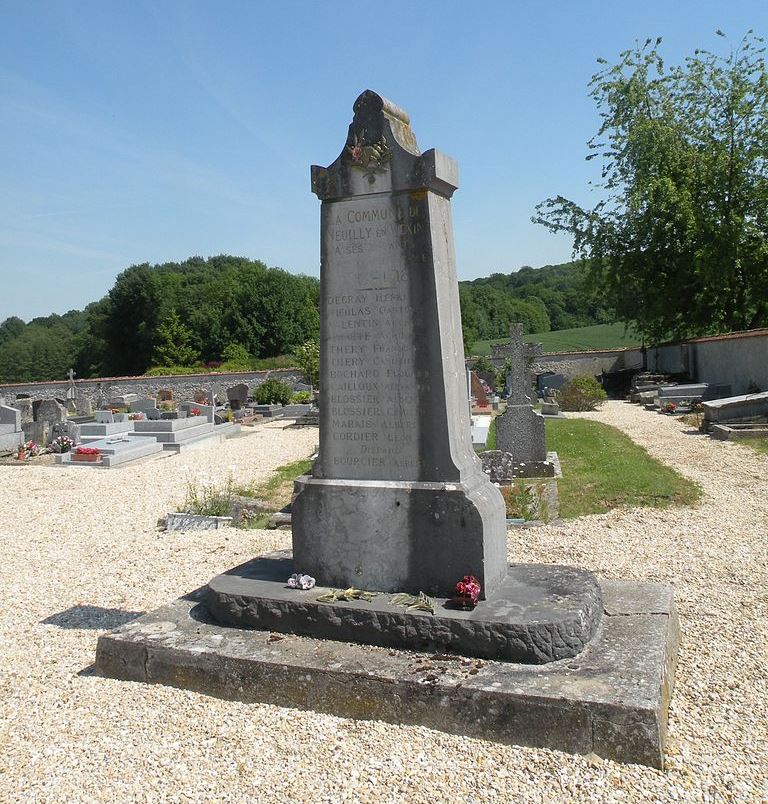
column 605, row 469
column 759, row 445
column 277, row 490
column 598, row 336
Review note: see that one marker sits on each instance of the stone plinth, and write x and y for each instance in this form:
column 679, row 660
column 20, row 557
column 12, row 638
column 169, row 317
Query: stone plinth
column 397, row 500
column 541, row 613
column 612, row 700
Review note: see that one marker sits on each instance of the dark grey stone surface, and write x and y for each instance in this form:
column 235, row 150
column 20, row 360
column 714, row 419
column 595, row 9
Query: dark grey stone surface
column 520, row 431
column 501, row 467
column 393, row 536
column 397, row 499
column 540, row 613
column 49, row 411
column 612, row 700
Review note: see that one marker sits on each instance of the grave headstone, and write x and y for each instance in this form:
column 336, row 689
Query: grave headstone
column 104, row 416
column 147, row 406
column 70, row 429
column 24, row 406
column 237, row 395
column 520, row 430
column 50, row 411
column 397, row 500
column 123, row 400
column 478, row 392
column 71, row 391
column 101, row 397
column 11, row 434
column 83, row 406
column 39, row 432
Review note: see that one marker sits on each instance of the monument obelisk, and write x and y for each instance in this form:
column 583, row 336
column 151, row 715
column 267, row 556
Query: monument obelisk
column 397, row 499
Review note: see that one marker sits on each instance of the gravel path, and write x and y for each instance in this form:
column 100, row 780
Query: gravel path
column 80, row 553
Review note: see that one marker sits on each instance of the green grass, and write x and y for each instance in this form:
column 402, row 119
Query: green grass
column 599, row 336
column 277, row 490
column 605, row 469
column 759, row 445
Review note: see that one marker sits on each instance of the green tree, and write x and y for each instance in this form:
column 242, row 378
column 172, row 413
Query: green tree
column 307, row 358
column 236, row 358
column 173, row 343
column 679, row 240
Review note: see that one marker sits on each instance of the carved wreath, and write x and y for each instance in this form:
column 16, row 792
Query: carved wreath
column 371, row 159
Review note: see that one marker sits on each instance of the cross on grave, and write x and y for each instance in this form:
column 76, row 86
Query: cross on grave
column 521, row 355
column 71, row 386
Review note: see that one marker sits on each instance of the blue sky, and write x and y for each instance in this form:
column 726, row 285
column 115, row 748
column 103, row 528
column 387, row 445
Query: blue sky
column 156, row 130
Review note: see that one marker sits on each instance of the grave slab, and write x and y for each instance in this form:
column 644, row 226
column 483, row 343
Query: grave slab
column 611, row 700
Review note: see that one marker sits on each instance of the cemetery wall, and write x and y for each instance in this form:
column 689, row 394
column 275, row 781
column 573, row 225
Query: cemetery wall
column 183, row 386
column 739, row 359
column 574, row 364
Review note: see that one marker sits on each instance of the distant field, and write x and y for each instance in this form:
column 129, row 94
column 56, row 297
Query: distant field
column 599, row 336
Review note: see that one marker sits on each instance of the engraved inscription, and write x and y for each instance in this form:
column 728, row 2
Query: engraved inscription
column 372, row 384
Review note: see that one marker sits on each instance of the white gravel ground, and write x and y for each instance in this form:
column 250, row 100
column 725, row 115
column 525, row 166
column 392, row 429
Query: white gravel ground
column 79, row 552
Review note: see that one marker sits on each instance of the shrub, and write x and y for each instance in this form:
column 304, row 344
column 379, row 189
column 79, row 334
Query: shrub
column 581, row 393
column 273, row 392
column 307, row 358
column 301, row 397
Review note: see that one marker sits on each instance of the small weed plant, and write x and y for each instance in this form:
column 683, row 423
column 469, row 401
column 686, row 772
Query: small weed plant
column 207, row 499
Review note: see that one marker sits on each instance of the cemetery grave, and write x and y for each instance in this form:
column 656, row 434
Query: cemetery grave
column 399, row 530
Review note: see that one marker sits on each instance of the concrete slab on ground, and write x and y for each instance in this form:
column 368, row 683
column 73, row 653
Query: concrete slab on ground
column 611, row 700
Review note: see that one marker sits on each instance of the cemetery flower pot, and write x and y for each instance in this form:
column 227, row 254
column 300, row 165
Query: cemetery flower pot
column 86, row 455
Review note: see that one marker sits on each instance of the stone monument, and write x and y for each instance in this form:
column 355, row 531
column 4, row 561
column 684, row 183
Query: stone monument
column 397, row 499
column 397, row 502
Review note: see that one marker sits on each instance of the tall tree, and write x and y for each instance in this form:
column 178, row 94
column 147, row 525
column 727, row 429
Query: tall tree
column 679, row 240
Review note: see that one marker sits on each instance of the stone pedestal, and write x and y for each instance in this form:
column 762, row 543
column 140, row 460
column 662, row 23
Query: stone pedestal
column 399, row 535
column 397, row 500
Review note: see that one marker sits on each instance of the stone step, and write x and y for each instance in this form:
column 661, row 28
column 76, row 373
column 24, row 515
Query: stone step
column 167, row 425
column 177, row 436
column 194, row 442
column 96, row 430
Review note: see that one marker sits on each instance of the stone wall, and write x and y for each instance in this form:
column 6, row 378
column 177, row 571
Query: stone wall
column 739, row 359
column 574, row 364
column 183, row 386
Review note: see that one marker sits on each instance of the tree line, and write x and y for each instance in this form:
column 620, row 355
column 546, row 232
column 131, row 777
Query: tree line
column 200, row 313
column 228, row 313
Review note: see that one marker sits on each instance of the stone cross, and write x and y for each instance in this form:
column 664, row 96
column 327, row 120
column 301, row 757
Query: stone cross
column 71, row 386
column 397, row 499
column 521, row 355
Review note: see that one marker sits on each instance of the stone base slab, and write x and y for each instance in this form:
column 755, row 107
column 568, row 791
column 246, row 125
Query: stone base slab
column 612, row 700
column 540, row 613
